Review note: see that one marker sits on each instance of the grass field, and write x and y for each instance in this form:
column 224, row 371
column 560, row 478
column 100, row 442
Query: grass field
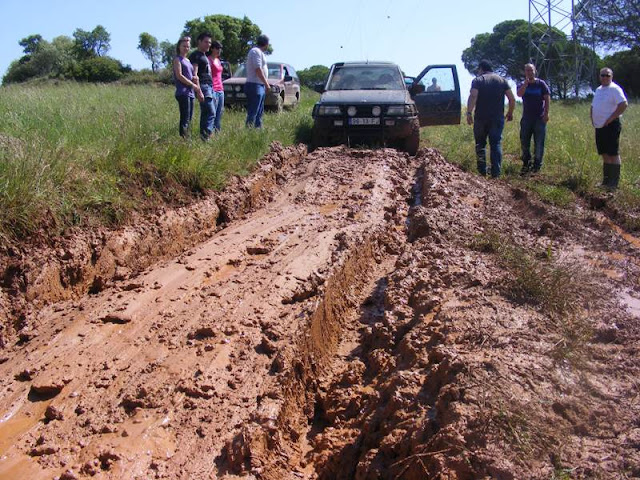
column 571, row 163
column 75, row 154
column 85, row 154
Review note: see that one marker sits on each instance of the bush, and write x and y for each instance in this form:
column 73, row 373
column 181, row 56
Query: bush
column 147, row 77
column 98, row 69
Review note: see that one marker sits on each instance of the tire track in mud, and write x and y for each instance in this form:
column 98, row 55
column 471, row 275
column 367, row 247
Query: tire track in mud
column 343, row 331
column 153, row 375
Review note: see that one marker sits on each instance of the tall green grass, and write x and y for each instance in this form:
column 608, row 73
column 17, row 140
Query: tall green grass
column 74, row 153
column 571, row 163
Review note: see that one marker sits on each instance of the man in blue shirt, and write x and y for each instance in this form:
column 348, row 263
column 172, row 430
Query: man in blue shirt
column 536, row 97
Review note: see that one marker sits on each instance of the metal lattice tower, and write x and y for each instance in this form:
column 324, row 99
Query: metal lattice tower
column 543, row 52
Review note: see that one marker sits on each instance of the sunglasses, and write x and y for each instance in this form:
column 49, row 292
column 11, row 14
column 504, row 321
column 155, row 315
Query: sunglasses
column 605, row 75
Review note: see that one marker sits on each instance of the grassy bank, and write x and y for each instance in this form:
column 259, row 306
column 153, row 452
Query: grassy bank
column 79, row 154
column 571, row 163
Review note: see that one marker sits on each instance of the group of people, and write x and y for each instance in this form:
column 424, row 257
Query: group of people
column 485, row 111
column 199, row 75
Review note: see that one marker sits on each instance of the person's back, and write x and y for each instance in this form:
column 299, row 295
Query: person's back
column 491, row 89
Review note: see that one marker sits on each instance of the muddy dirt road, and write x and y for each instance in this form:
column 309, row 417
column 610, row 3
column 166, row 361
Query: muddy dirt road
column 345, row 314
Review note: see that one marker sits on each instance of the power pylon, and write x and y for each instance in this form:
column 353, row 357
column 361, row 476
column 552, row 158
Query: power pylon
column 550, row 62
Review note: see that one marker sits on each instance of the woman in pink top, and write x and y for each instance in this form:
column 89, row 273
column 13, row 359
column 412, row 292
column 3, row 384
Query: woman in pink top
column 218, row 89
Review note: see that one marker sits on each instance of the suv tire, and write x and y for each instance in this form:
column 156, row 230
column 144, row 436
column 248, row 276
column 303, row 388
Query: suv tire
column 412, row 142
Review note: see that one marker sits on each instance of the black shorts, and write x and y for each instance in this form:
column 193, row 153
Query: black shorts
column 608, row 138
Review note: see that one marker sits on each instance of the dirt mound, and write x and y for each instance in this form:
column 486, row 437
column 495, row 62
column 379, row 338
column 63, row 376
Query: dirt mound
column 350, row 314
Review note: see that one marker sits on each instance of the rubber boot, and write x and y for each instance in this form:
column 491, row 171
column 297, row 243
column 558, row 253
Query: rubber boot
column 614, row 176
column 606, row 169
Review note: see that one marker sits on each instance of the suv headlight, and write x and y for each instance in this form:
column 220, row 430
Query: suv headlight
column 329, row 110
column 401, row 110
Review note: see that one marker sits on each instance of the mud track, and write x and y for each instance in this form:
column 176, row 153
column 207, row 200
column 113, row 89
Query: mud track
column 347, row 314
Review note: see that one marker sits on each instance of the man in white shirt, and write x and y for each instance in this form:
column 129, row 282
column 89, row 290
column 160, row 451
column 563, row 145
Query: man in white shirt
column 257, row 82
column 609, row 101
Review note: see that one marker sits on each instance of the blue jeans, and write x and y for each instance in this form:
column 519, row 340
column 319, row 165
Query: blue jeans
column 491, row 128
column 185, row 104
column 255, row 103
column 218, row 108
column 538, row 129
column 206, row 112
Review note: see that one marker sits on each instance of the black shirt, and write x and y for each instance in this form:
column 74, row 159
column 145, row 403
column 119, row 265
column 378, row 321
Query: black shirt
column 201, row 61
column 490, row 102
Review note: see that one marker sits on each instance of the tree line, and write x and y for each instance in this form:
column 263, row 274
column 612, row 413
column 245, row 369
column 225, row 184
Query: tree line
column 604, row 26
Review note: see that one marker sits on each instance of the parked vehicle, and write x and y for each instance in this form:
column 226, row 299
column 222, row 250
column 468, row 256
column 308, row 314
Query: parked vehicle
column 226, row 70
column 283, row 80
column 364, row 102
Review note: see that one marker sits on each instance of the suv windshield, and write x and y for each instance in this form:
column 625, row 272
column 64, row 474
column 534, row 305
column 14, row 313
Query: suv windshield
column 274, row 71
column 366, row 78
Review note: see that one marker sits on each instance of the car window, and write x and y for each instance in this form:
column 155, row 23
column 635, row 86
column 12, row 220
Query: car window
column 275, row 71
column 241, row 71
column 366, row 78
column 438, row 80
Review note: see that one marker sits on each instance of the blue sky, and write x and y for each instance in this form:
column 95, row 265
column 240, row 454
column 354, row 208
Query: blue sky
column 411, row 33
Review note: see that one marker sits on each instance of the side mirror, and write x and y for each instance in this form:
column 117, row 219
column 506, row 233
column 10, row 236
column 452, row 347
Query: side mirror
column 319, row 87
column 288, row 78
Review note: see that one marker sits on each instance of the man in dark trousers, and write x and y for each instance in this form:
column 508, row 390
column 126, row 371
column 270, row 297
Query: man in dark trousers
column 202, row 70
column 535, row 96
column 488, row 90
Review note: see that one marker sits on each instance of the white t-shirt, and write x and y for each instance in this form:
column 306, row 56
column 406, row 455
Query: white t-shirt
column 605, row 101
column 256, row 59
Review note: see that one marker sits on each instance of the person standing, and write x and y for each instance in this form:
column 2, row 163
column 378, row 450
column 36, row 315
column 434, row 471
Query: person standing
column 218, row 88
column 257, row 83
column 487, row 94
column 202, row 70
column 609, row 102
column 536, row 97
column 186, row 84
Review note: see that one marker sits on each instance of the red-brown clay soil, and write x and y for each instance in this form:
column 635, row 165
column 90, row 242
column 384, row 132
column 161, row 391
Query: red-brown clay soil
column 345, row 314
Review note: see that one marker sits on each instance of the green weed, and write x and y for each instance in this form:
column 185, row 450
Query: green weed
column 74, row 154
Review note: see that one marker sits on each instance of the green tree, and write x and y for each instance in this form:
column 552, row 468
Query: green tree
column 32, row 43
column 150, row 48
column 507, row 48
column 167, row 52
column 611, row 24
column 95, row 43
column 313, row 75
column 626, row 70
column 236, row 35
column 43, row 59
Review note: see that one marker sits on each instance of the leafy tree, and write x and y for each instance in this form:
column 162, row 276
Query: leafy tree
column 313, row 75
column 150, row 48
column 614, row 24
column 167, row 52
column 626, row 70
column 236, row 35
column 32, row 43
column 507, row 48
column 44, row 59
column 95, row 43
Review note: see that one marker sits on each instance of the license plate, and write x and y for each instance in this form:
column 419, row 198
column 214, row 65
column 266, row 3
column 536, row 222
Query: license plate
column 364, row 121
column 241, row 95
